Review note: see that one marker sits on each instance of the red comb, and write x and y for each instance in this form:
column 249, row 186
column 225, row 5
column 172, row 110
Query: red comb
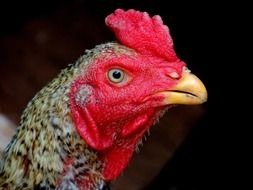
column 139, row 31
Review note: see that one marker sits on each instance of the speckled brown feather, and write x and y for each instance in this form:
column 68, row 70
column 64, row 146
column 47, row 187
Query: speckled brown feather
column 46, row 151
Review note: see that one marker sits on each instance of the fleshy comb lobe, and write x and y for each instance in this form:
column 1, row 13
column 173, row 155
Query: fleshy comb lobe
column 147, row 35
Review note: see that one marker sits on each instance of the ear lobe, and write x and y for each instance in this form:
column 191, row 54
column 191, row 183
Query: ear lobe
column 89, row 131
column 80, row 96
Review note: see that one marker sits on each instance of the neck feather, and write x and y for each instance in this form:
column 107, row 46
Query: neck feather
column 47, row 151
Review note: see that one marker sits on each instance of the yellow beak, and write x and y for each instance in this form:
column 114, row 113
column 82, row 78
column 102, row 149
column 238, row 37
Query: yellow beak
column 189, row 91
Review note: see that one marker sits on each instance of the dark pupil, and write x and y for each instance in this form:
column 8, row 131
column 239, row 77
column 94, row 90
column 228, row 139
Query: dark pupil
column 116, row 74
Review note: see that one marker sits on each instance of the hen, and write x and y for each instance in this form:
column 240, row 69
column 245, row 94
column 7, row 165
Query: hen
column 80, row 131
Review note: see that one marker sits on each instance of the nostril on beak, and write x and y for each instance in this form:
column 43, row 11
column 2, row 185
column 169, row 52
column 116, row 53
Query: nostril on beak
column 173, row 75
column 186, row 69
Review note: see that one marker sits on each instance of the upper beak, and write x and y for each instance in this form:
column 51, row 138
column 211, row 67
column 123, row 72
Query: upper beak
column 189, row 91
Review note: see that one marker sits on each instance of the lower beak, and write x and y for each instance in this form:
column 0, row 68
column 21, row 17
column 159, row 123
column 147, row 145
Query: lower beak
column 189, row 91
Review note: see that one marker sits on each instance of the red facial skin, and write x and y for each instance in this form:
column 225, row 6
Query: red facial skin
column 116, row 115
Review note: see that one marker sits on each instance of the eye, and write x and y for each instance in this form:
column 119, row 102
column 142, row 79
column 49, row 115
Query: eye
column 116, row 75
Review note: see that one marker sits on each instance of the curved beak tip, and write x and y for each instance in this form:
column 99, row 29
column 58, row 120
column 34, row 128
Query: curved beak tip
column 189, row 91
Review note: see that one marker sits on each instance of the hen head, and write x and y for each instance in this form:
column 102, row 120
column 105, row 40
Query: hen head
column 128, row 87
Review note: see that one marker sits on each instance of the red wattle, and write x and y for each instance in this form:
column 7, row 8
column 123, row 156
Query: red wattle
column 116, row 160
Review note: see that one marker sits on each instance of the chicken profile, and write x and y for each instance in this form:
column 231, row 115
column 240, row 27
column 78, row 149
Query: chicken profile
column 81, row 130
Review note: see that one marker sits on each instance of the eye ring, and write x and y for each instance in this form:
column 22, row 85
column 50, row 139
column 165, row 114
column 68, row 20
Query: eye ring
column 116, row 75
